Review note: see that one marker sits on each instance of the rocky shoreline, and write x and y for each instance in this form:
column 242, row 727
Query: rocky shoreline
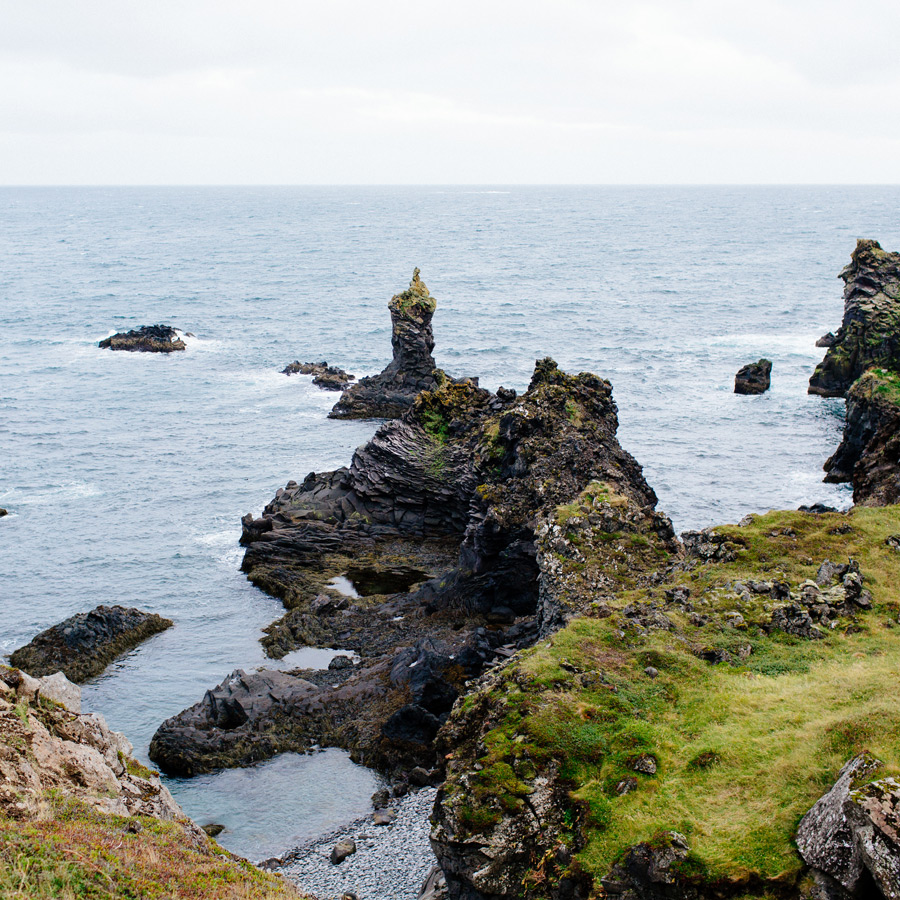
column 540, row 653
column 390, row 862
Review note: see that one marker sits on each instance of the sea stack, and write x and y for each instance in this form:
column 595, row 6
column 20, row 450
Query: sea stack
column 390, row 394
column 753, row 378
column 870, row 332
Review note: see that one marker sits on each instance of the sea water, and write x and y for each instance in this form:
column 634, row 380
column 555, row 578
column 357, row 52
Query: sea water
column 126, row 474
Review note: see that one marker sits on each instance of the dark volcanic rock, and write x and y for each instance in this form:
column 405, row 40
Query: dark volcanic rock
column 439, row 522
column 329, row 378
column 869, row 454
column 390, row 394
column 85, row 644
column 870, row 332
column 754, row 378
column 148, row 339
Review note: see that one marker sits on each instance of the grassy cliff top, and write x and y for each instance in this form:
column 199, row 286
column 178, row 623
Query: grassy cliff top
column 689, row 712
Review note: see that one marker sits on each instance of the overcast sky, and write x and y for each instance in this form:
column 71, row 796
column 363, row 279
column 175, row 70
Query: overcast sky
column 470, row 91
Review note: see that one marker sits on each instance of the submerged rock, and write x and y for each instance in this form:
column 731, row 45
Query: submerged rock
column 329, row 378
column 85, row 644
column 754, row 378
column 390, row 394
column 870, row 332
column 147, row 339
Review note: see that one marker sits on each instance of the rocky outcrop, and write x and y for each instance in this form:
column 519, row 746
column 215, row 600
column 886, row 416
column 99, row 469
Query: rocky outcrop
column 390, row 394
column 329, row 378
column 439, row 526
column 146, row 339
column 80, row 814
column 85, row 644
column 48, row 746
column 870, row 332
column 851, row 837
column 754, row 378
column 869, row 454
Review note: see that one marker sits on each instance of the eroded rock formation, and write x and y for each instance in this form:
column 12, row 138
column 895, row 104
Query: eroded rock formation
column 440, row 524
column 390, row 394
column 85, row 644
column 146, row 339
column 870, row 332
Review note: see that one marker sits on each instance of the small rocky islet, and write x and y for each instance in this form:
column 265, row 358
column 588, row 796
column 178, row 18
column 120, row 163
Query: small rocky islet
column 146, row 339
column 83, row 645
column 606, row 710
column 329, row 378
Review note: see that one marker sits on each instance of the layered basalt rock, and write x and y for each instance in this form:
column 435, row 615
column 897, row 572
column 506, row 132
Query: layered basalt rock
column 754, row 378
column 869, row 453
column 454, row 495
column 390, row 394
column 85, row 644
column 146, row 339
column 870, row 332
column 329, row 378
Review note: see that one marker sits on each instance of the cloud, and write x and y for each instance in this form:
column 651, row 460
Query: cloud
column 681, row 91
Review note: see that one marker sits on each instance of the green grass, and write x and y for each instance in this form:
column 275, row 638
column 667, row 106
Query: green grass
column 884, row 383
column 73, row 852
column 743, row 750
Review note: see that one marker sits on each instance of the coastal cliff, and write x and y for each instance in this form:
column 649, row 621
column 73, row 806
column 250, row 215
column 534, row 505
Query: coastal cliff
column 863, row 364
column 870, row 331
column 81, row 817
column 666, row 742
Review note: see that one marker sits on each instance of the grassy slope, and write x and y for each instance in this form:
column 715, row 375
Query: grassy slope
column 743, row 750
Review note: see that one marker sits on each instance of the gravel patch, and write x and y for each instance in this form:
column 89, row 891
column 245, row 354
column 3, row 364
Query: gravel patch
column 390, row 863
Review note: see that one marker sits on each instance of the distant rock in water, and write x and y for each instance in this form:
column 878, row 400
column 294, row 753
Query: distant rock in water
column 3, row 512
column 146, row 339
column 870, row 333
column 390, row 394
column 753, row 378
column 85, row 644
column 329, row 378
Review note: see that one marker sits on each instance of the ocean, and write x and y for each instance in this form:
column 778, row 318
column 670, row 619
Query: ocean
column 126, row 475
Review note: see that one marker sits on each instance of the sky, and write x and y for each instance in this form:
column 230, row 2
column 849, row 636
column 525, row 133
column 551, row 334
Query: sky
column 490, row 92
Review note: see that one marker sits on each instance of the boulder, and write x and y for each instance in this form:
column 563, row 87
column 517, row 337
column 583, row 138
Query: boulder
column 754, row 378
column 851, row 836
column 146, row 339
column 85, row 644
column 342, row 849
column 412, row 369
